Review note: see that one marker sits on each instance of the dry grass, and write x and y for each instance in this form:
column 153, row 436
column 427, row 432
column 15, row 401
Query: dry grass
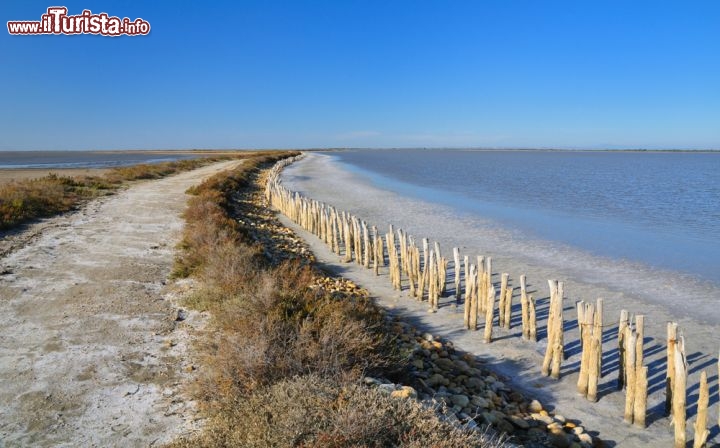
column 313, row 411
column 282, row 364
column 25, row 200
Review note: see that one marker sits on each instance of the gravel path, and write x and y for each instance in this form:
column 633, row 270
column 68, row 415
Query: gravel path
column 91, row 353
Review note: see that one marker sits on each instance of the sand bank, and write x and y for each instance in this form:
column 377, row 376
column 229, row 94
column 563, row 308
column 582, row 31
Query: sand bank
column 8, row 175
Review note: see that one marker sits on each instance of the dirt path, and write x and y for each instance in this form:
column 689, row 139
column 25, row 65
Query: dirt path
column 90, row 350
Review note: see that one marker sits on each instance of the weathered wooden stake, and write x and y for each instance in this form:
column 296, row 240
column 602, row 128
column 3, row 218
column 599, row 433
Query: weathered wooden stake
column 456, row 268
column 670, row 369
column 533, row 319
column 598, row 333
column 508, row 306
column 640, row 402
column 489, row 311
column 630, row 375
column 622, row 334
column 679, row 393
column 501, row 305
column 524, row 309
column 701, row 431
column 593, row 369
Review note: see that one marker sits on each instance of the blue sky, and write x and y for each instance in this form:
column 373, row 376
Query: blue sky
column 302, row 74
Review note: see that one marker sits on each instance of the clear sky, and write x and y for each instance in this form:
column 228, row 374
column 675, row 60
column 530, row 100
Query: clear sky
column 365, row 73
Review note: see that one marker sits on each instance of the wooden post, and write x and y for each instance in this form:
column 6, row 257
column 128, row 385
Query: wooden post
column 524, row 309
column 473, row 298
column 622, row 334
column 466, row 261
column 426, row 245
column 375, row 261
column 481, row 290
column 421, row 283
column 501, row 305
column 468, row 302
column 598, row 333
column 456, row 259
column 418, row 273
column 586, row 312
column 379, row 249
column 640, row 330
column 412, row 279
column 489, row 311
column 366, row 242
column 640, row 404
column 508, row 306
column 348, row 240
column 701, row 432
column 432, row 284
column 560, row 323
column 593, row 369
column 442, row 275
column 547, row 359
column 679, row 393
column 554, row 352
column 533, row 319
column 670, row 369
column 580, row 310
column 630, row 375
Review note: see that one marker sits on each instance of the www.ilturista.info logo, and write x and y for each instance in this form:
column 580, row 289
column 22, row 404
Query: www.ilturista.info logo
column 56, row 21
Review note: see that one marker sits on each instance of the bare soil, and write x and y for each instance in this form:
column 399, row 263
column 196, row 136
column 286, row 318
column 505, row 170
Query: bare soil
column 92, row 342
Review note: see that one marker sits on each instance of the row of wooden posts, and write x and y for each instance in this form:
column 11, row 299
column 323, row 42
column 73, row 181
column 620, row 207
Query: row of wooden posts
column 425, row 270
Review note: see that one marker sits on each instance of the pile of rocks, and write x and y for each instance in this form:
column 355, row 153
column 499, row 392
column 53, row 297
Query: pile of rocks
column 338, row 287
column 475, row 396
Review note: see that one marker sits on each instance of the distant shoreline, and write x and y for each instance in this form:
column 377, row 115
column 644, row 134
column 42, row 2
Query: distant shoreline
column 12, row 174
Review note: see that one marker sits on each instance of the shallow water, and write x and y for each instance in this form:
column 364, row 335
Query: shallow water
column 82, row 159
column 598, row 251
column 661, row 209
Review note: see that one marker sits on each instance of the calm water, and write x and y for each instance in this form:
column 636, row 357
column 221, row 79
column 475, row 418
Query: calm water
column 82, row 159
column 660, row 209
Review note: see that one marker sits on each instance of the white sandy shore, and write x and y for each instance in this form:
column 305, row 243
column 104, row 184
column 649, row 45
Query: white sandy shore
column 318, row 177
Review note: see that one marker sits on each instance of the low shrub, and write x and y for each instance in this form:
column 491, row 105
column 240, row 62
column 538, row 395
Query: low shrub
column 316, row 411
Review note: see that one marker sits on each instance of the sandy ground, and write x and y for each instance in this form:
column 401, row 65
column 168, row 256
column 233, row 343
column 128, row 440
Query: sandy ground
column 520, row 361
column 92, row 345
column 8, row 175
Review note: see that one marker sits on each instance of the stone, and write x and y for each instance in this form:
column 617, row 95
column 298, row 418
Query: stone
column 428, row 337
column 418, row 363
column 436, row 380
column 445, row 364
column 460, row 400
column 559, row 418
column 519, row 422
column 535, row 406
column 480, row 402
column 475, row 383
column 370, row 381
column 462, row 366
column 585, row 438
column 559, row 441
column 488, row 418
column 386, row 388
column 404, row 392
